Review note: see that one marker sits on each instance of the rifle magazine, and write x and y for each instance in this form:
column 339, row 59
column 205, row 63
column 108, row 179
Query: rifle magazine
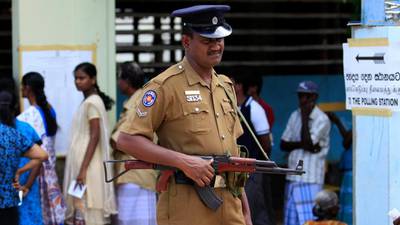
column 209, row 197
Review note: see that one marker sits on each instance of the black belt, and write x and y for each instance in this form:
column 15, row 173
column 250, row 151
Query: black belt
column 181, row 178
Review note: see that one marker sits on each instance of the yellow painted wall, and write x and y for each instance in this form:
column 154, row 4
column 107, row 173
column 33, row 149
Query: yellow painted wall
column 69, row 22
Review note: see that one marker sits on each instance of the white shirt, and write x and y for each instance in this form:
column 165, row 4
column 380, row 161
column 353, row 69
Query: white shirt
column 314, row 163
column 258, row 117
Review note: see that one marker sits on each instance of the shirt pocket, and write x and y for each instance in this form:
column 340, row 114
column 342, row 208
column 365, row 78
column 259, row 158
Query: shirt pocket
column 229, row 115
column 197, row 117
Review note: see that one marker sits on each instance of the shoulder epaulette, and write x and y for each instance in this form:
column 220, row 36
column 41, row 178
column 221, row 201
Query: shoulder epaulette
column 227, row 84
column 171, row 71
column 225, row 79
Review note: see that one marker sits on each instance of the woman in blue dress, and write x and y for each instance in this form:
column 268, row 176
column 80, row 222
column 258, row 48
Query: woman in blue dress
column 30, row 211
column 13, row 145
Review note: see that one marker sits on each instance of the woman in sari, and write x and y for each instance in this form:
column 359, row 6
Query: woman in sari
column 88, row 148
column 41, row 116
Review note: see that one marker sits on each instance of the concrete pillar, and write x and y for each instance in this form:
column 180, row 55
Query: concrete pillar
column 376, row 165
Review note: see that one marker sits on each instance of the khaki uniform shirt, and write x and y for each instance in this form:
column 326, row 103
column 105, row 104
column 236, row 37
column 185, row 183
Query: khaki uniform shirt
column 191, row 117
column 144, row 178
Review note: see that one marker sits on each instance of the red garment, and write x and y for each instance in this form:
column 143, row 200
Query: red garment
column 268, row 111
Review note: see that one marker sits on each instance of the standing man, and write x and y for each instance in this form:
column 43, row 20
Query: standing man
column 255, row 86
column 192, row 110
column 258, row 186
column 136, row 196
column 306, row 138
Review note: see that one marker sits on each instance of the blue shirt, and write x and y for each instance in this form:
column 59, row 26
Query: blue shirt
column 28, row 131
column 30, row 212
column 12, row 145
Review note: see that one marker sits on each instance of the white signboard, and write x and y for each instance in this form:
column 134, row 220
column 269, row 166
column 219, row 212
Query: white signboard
column 56, row 66
column 372, row 77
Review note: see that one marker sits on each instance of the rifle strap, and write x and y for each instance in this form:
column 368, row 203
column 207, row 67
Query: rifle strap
column 243, row 119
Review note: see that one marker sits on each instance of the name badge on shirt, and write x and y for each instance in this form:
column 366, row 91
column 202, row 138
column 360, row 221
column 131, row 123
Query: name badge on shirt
column 193, row 96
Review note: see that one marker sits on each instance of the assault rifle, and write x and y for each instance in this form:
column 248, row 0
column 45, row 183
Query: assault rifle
column 220, row 164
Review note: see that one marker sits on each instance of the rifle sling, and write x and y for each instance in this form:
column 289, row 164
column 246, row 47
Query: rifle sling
column 244, row 120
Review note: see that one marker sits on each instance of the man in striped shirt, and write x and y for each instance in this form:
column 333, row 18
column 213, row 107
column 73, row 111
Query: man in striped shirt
column 306, row 138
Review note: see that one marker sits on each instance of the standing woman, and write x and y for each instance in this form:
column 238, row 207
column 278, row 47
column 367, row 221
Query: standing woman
column 41, row 116
column 30, row 212
column 13, row 145
column 88, row 148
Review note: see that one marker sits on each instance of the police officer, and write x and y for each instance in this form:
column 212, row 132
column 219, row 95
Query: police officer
column 191, row 109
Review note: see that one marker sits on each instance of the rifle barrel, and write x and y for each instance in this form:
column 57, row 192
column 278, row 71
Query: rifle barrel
column 278, row 170
column 266, row 163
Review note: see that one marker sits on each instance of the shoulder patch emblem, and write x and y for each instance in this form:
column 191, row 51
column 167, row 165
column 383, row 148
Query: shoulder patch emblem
column 149, row 98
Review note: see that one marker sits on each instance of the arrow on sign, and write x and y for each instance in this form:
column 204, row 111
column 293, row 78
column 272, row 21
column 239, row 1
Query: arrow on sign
column 378, row 58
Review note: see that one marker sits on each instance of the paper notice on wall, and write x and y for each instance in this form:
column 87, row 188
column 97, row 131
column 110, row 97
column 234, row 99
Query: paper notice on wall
column 56, row 66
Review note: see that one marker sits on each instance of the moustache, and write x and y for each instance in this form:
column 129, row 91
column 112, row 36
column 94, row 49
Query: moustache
column 214, row 53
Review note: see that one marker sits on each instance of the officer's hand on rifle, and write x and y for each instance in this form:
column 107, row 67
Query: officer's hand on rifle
column 198, row 169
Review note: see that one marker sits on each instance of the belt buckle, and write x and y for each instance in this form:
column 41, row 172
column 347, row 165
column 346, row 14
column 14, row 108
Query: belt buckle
column 219, row 182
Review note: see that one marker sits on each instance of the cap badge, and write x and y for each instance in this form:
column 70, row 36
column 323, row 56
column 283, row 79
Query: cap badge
column 149, row 98
column 303, row 85
column 214, row 20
